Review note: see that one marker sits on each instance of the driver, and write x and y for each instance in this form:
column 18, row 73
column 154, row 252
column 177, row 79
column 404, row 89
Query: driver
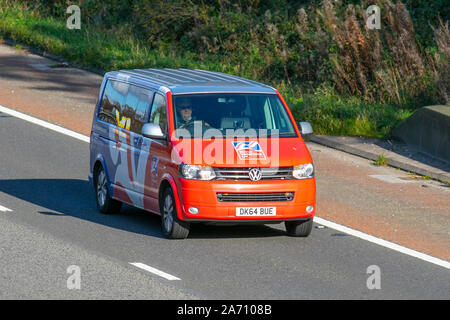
column 184, row 107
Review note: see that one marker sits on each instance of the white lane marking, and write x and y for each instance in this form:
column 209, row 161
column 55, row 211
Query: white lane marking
column 4, row 209
column 154, row 271
column 318, row 220
column 44, row 124
column 384, row 243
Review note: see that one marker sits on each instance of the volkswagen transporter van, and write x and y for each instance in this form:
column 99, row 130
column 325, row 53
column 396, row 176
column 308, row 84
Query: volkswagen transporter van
column 197, row 146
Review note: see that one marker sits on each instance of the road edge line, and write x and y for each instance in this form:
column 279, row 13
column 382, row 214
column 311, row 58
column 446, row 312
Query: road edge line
column 382, row 242
column 44, row 124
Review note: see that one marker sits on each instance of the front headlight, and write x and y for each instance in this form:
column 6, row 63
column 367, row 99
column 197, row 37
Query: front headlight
column 195, row 172
column 303, row 171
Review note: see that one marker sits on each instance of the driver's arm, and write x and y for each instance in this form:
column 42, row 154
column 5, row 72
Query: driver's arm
column 185, row 124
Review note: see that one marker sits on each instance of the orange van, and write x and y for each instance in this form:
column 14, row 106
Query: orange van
column 198, row 146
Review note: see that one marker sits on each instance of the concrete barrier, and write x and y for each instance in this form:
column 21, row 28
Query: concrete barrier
column 428, row 129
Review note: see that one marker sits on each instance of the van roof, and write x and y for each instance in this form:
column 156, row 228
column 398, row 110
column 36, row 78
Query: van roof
column 189, row 81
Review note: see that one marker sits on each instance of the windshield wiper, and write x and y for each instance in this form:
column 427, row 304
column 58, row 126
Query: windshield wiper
column 287, row 134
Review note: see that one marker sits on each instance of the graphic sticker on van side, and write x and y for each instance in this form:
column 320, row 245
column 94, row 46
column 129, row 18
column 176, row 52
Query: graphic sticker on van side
column 123, row 122
column 249, row 150
column 155, row 161
column 129, row 163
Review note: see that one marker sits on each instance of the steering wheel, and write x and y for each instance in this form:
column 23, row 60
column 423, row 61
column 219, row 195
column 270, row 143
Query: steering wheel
column 192, row 124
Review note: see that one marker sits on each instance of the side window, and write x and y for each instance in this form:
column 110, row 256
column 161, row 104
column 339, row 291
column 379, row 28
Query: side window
column 283, row 123
column 158, row 112
column 113, row 109
column 138, row 99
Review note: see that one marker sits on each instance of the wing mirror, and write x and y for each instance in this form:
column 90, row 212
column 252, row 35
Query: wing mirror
column 305, row 128
column 152, row 131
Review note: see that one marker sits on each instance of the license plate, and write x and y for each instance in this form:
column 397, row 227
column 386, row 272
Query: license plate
column 256, row 211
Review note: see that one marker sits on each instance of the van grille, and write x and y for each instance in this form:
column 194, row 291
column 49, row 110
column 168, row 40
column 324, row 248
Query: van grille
column 255, row 197
column 282, row 173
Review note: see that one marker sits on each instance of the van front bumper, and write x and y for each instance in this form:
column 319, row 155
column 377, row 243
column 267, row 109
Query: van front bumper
column 202, row 195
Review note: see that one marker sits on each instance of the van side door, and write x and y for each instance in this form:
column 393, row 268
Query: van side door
column 139, row 100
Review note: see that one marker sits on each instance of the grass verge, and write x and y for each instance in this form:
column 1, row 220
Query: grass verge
column 110, row 49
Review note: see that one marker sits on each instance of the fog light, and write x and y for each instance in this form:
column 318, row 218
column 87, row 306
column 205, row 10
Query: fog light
column 193, row 210
column 309, row 209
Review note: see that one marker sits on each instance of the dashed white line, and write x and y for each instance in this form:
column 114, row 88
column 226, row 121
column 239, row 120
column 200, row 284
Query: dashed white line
column 154, row 271
column 329, row 224
column 4, row 209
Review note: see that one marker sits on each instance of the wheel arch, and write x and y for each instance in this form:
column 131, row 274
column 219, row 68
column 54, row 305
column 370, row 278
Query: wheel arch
column 100, row 162
column 168, row 181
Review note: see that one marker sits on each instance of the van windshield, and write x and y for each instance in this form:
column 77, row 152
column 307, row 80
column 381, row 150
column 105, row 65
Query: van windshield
column 231, row 115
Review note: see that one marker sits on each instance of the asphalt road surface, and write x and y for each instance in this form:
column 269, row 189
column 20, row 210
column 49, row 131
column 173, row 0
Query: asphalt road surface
column 49, row 222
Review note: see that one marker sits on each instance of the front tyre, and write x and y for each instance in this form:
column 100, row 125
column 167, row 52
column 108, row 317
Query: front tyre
column 301, row 228
column 105, row 203
column 173, row 228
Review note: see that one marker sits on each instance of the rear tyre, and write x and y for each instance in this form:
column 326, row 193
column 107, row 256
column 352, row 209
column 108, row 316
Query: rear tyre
column 301, row 228
column 173, row 228
column 105, row 203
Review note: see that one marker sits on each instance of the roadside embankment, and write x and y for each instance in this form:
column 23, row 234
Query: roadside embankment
column 428, row 129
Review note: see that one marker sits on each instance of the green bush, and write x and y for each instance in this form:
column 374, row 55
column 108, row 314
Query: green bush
column 334, row 72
